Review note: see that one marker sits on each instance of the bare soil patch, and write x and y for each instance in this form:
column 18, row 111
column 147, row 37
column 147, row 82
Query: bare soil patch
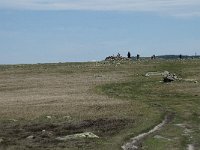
column 35, row 135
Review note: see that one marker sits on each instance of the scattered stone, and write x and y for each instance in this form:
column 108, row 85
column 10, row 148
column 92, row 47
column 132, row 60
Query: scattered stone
column 47, row 133
column 67, row 117
column 147, row 75
column 14, row 120
column 31, row 137
column 181, row 125
column 76, row 136
column 161, row 137
column 49, row 117
column 50, row 133
column 191, row 80
column 1, row 140
column 153, row 74
column 187, row 131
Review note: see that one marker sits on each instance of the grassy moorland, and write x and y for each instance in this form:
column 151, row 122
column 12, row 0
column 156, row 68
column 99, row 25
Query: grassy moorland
column 112, row 100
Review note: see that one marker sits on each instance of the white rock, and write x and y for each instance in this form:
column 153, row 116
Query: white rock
column 161, row 137
column 80, row 135
column 48, row 117
column 147, row 75
column 30, row 137
column 14, row 120
column 181, row 125
column 1, row 140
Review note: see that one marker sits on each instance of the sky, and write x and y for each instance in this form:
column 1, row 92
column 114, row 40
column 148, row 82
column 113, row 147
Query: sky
column 46, row 31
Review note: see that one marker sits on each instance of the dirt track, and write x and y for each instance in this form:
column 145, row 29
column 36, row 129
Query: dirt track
column 135, row 141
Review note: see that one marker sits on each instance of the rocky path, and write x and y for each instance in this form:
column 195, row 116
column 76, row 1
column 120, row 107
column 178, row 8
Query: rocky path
column 133, row 144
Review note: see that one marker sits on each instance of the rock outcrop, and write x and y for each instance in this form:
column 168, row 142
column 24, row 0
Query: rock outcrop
column 169, row 77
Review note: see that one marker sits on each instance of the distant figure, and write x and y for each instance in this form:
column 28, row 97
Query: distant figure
column 138, row 56
column 118, row 55
column 180, row 56
column 153, row 57
column 129, row 55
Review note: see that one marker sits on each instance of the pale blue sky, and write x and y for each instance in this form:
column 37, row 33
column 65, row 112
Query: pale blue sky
column 37, row 31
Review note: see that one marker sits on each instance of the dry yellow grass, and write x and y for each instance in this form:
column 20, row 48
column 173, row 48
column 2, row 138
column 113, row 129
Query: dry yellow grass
column 30, row 96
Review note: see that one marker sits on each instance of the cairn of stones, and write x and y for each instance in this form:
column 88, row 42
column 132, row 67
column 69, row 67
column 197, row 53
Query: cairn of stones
column 116, row 58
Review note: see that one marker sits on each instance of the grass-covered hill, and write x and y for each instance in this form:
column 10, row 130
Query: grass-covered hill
column 113, row 100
